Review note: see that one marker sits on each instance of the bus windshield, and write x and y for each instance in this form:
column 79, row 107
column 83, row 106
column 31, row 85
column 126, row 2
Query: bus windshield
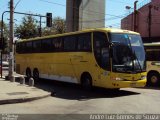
column 128, row 53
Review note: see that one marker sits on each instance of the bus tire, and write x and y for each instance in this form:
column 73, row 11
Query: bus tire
column 86, row 81
column 36, row 74
column 28, row 73
column 153, row 79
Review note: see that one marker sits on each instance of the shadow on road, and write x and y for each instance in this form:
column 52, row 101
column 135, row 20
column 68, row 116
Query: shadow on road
column 74, row 92
column 151, row 87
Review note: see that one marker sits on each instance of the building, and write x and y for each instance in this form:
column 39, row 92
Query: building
column 147, row 21
column 84, row 14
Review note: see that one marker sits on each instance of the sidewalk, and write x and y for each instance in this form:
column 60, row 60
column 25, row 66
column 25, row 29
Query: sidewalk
column 14, row 92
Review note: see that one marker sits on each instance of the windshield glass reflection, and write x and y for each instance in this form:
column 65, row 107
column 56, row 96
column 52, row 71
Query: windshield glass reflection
column 128, row 53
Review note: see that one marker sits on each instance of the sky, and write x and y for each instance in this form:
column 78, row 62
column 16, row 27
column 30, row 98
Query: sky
column 115, row 9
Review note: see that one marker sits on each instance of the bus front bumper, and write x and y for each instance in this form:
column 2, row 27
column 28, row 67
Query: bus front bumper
column 125, row 84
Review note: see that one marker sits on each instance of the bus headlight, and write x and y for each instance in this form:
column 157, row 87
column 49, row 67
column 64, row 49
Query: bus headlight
column 143, row 77
column 117, row 78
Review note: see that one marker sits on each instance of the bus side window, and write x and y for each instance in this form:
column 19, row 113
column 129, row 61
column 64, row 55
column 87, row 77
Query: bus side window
column 105, row 57
column 57, row 44
column 28, row 47
column 84, row 42
column 153, row 55
column 101, row 50
column 23, row 47
column 18, row 49
column 70, row 43
column 37, row 46
column 46, row 45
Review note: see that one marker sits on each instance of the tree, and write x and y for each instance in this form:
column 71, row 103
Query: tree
column 48, row 31
column 58, row 27
column 27, row 29
column 5, row 36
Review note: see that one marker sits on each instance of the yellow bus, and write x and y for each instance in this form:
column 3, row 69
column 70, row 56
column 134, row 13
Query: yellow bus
column 153, row 63
column 107, row 57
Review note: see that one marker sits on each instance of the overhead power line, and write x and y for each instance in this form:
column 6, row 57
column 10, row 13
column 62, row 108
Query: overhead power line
column 85, row 11
column 53, row 3
column 17, row 4
column 118, row 1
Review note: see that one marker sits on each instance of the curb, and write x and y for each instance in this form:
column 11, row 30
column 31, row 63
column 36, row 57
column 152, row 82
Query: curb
column 22, row 100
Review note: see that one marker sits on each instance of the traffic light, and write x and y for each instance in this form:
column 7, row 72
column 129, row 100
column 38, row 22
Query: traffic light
column 49, row 19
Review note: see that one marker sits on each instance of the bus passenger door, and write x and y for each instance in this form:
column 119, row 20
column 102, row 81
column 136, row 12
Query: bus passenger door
column 102, row 59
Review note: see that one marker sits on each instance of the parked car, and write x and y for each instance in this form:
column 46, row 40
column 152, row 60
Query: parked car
column 5, row 65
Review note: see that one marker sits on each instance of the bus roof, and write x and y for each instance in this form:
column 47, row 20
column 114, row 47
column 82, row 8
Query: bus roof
column 112, row 30
column 152, row 44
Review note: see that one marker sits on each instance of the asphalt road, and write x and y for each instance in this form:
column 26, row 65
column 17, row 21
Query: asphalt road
column 71, row 99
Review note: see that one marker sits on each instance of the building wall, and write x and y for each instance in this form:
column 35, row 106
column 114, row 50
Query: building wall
column 84, row 14
column 92, row 14
column 69, row 15
column 142, row 21
column 72, row 15
column 156, row 18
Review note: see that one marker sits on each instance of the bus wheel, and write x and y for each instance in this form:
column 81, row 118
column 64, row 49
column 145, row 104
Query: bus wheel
column 36, row 74
column 153, row 79
column 28, row 73
column 86, row 82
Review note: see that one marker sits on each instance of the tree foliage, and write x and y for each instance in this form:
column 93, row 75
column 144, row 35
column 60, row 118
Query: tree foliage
column 58, row 27
column 28, row 28
column 5, row 35
column 6, row 29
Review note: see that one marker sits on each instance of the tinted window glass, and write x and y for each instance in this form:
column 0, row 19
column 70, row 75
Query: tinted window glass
column 153, row 55
column 18, row 48
column 23, row 47
column 70, row 43
column 57, row 44
column 46, row 45
column 101, row 50
column 28, row 48
column 84, row 42
column 37, row 46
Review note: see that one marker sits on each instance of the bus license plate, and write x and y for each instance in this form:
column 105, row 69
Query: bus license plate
column 133, row 84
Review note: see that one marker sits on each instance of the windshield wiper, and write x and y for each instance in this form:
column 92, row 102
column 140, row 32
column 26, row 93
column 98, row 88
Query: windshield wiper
column 134, row 56
column 138, row 61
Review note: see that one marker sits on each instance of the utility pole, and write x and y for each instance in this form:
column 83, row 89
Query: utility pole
column 40, row 27
column 11, row 47
column 149, row 22
column 135, row 15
